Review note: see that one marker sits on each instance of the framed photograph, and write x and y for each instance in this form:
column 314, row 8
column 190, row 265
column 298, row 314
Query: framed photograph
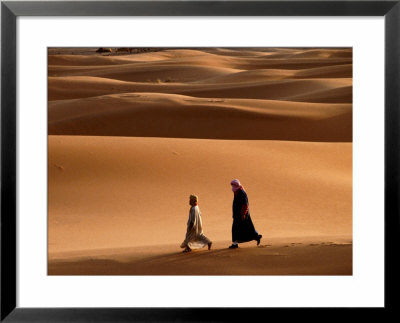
column 198, row 160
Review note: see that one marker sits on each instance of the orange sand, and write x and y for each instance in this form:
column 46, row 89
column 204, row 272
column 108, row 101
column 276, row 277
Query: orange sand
column 132, row 136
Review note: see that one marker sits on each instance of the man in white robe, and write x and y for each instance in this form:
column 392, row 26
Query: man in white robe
column 195, row 238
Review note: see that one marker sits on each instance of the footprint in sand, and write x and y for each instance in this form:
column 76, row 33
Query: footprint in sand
column 60, row 168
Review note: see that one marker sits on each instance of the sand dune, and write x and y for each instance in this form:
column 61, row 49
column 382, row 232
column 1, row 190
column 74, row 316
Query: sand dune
column 120, row 192
column 282, row 52
column 197, row 74
column 322, row 53
column 197, row 57
column 62, row 88
column 341, row 94
column 134, row 73
column 132, row 135
column 339, row 71
column 252, row 63
column 277, row 258
column 182, row 116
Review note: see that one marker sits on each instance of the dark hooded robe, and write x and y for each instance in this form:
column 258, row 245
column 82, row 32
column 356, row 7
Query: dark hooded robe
column 242, row 228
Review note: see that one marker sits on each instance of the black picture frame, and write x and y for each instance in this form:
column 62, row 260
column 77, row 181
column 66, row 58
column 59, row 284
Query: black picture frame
column 10, row 10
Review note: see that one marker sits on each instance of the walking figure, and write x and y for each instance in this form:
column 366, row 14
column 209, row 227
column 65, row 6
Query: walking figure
column 195, row 238
column 242, row 228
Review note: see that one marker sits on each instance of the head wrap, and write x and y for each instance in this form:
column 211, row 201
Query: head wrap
column 193, row 198
column 236, row 185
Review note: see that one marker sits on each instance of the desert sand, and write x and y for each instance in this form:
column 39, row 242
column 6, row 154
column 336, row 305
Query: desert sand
column 132, row 135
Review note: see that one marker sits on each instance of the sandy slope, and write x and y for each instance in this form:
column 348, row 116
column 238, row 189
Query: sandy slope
column 172, row 115
column 120, row 192
column 78, row 87
column 291, row 257
column 131, row 136
column 282, row 58
column 195, row 73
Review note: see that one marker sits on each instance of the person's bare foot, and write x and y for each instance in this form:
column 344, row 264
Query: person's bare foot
column 209, row 245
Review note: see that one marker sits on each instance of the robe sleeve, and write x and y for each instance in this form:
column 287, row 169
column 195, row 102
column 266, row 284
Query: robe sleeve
column 191, row 218
column 245, row 205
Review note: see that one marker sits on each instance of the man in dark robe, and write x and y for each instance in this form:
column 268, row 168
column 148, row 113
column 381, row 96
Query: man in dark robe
column 242, row 228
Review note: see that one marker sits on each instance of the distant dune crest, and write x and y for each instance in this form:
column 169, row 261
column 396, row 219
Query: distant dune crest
column 256, row 88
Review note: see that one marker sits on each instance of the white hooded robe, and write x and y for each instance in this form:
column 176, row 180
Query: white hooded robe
column 195, row 238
